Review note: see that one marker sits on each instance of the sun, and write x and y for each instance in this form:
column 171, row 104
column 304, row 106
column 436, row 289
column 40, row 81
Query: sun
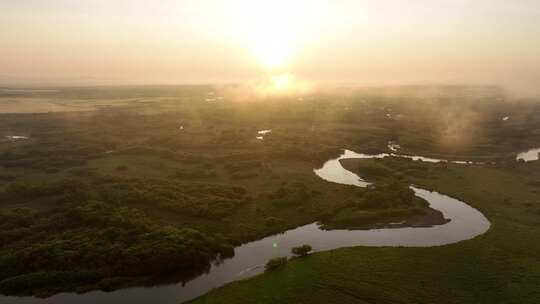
column 270, row 32
column 272, row 50
column 273, row 31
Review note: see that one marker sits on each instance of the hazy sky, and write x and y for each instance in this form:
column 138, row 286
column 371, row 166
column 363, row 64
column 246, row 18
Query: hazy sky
column 142, row 41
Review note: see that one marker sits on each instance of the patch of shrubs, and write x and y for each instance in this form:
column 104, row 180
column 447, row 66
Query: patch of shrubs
column 391, row 195
column 272, row 221
column 301, row 251
column 186, row 174
column 244, row 175
column 33, row 190
column 122, row 168
column 289, row 194
column 233, row 167
column 275, row 263
column 374, row 169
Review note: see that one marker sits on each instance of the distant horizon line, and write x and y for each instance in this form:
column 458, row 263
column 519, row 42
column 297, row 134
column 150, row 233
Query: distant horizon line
column 8, row 86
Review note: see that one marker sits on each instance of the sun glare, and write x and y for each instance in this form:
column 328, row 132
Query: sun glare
column 272, row 52
column 282, row 84
column 274, row 31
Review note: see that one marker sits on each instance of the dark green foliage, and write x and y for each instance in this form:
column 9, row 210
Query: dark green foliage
column 535, row 183
column 381, row 203
column 243, row 169
column 391, row 195
column 187, row 174
column 33, row 190
column 271, row 221
column 97, row 235
column 4, row 177
column 275, row 263
column 51, row 170
column 233, row 167
column 206, row 201
column 374, row 169
column 301, row 250
column 244, row 175
column 291, row 194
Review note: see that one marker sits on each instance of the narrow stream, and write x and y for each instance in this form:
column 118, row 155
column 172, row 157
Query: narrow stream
column 465, row 223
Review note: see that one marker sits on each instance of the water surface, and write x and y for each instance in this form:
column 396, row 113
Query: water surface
column 261, row 134
column 16, row 137
column 530, row 155
column 392, row 146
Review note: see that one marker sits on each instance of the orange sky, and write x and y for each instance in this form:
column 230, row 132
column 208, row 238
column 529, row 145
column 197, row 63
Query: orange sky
column 151, row 42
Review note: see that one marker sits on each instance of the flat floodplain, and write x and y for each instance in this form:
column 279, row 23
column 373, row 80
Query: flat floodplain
column 155, row 186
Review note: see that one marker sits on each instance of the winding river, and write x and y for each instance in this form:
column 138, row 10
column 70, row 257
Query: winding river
column 465, row 223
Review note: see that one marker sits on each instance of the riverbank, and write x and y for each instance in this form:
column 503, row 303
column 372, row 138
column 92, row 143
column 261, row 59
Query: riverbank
column 249, row 258
column 417, row 214
column 501, row 266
